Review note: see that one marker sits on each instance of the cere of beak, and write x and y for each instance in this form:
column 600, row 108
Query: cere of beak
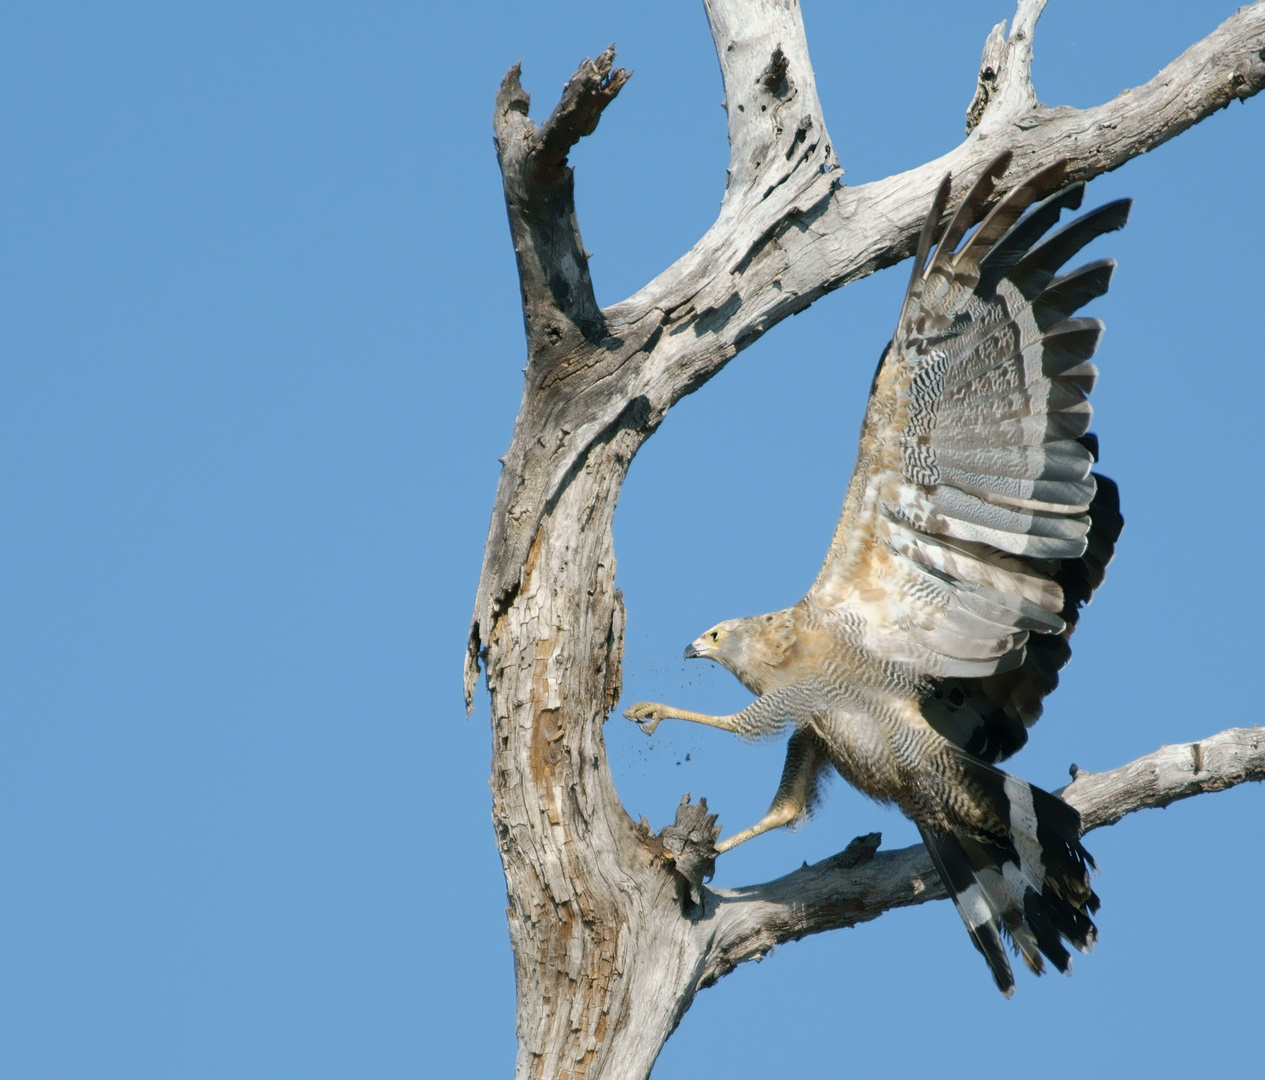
column 691, row 653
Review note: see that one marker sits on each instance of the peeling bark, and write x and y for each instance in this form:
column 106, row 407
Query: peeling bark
column 612, row 929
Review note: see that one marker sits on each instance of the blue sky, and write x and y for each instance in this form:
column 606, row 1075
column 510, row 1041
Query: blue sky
column 260, row 351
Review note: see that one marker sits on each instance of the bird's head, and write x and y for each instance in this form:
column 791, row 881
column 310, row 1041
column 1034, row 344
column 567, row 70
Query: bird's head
column 751, row 648
column 721, row 643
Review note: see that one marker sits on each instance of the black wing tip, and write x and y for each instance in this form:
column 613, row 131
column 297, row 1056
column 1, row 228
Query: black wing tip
column 1122, row 207
column 1072, row 196
column 939, row 203
column 970, row 210
column 926, row 238
column 1001, row 163
column 1020, row 238
column 1107, row 497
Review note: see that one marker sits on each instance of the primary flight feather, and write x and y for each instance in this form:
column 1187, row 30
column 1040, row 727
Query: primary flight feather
column 972, row 532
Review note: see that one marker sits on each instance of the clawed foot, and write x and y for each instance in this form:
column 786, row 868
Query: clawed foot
column 647, row 715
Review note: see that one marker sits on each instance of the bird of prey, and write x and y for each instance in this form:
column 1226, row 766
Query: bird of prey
column 972, row 532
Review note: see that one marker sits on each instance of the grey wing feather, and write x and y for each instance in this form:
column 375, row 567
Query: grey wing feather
column 990, row 717
column 973, row 484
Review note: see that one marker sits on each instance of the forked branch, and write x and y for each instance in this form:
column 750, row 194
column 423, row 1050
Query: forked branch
column 553, row 267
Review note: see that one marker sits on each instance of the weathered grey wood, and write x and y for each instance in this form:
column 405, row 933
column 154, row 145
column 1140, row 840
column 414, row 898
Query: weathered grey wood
column 1004, row 85
column 612, row 932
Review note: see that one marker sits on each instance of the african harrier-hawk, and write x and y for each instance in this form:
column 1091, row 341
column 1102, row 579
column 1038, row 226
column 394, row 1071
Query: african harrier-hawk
column 972, row 533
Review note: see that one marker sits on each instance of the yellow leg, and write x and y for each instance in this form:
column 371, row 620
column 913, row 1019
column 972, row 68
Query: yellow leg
column 647, row 715
column 806, row 757
column 779, row 814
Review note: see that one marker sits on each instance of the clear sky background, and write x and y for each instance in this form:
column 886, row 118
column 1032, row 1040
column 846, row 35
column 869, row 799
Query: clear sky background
column 260, row 348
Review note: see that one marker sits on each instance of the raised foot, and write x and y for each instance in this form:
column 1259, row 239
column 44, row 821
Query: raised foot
column 647, row 715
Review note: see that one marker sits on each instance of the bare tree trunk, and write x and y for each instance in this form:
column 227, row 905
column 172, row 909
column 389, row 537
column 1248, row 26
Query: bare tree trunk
column 613, row 932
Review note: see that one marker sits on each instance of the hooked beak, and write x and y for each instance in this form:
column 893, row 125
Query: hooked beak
column 692, row 653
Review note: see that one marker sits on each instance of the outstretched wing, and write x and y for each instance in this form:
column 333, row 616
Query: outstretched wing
column 990, row 717
column 972, row 498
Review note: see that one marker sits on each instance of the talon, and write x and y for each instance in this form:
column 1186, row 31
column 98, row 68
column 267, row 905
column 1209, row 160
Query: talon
column 644, row 715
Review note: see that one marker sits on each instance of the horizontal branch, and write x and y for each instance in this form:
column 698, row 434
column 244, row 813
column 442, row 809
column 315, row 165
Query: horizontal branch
column 792, row 250
column 1171, row 773
column 852, row 887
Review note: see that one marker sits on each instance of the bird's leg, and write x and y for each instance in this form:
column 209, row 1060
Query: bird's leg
column 806, row 757
column 767, row 715
column 780, row 813
column 647, row 715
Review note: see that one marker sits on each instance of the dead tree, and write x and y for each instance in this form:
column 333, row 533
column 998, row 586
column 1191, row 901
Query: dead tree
column 613, row 933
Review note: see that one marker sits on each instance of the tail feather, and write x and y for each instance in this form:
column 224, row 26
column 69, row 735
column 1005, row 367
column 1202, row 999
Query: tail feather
column 976, row 906
column 1031, row 885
